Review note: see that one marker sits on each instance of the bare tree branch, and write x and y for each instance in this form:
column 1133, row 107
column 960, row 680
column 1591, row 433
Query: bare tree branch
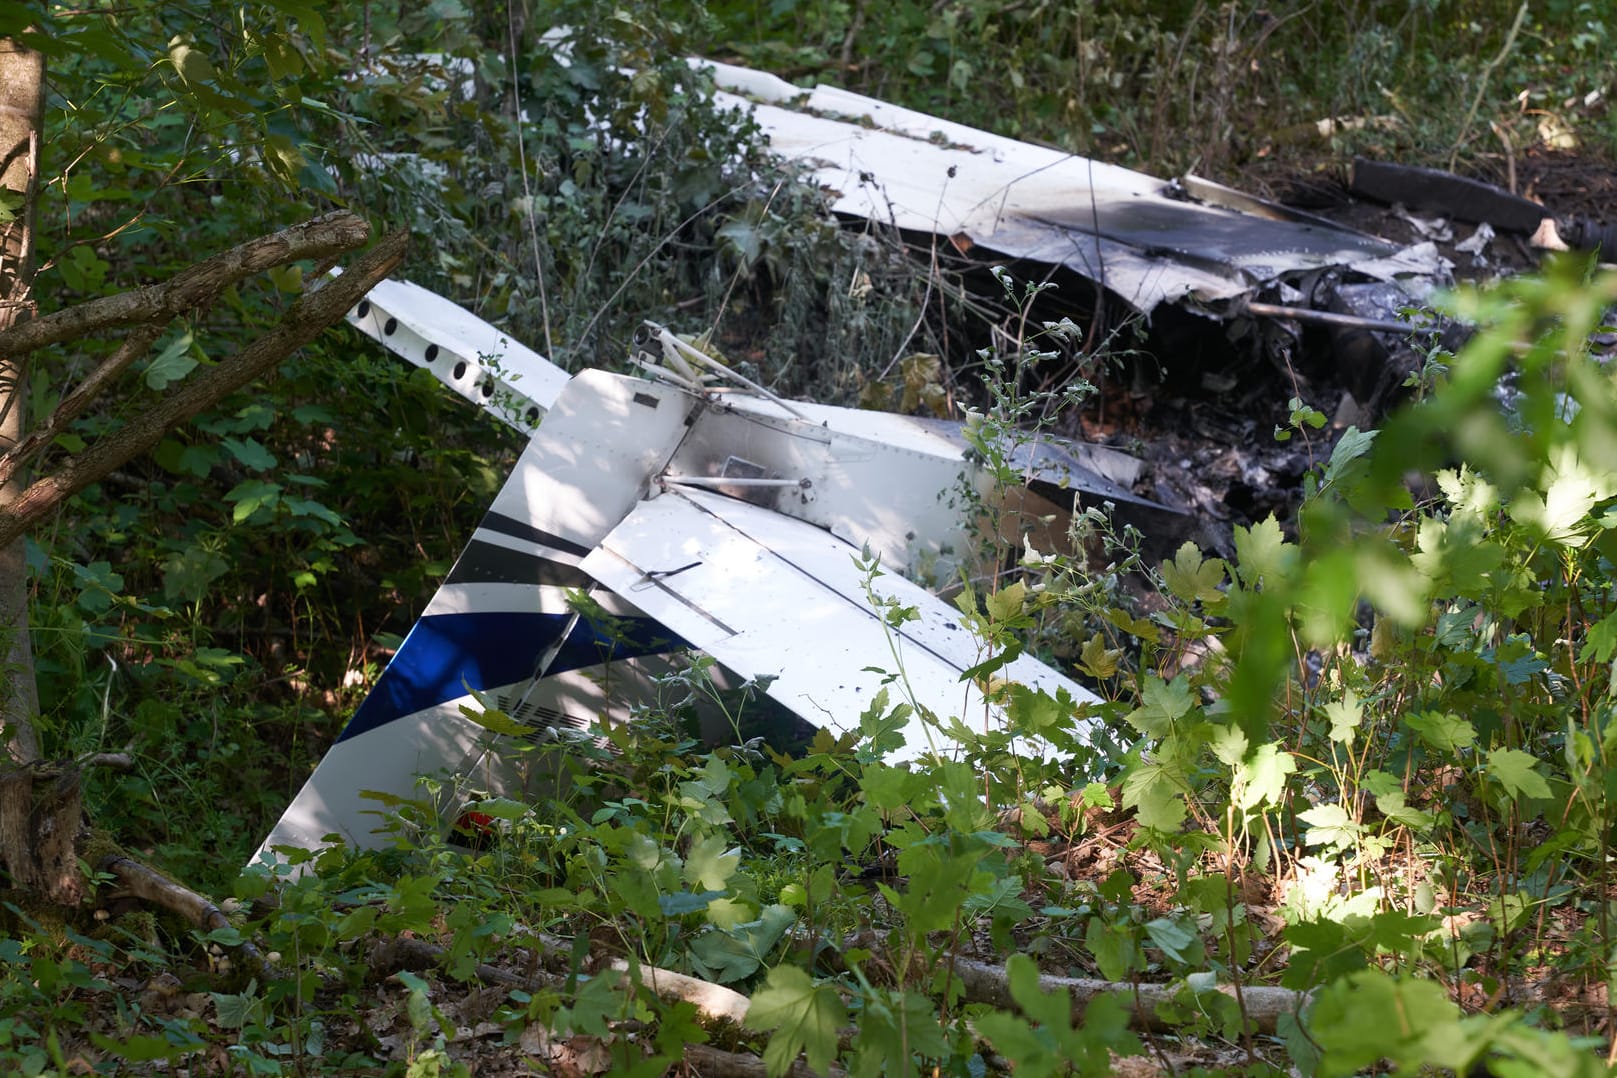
column 713, row 1002
column 305, row 320
column 198, row 286
column 73, row 405
column 711, row 1062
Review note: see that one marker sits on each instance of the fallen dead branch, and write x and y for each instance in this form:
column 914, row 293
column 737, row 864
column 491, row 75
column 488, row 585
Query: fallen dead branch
column 138, row 881
column 1262, row 1004
column 402, row 953
column 712, row 1062
column 713, row 1002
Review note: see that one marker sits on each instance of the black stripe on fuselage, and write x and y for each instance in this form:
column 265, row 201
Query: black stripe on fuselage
column 488, row 563
column 521, row 529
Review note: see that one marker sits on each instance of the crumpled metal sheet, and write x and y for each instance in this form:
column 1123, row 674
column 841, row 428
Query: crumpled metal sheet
column 1146, row 241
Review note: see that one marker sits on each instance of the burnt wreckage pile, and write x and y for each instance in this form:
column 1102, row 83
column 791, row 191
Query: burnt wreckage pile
column 1206, row 267
column 1244, row 303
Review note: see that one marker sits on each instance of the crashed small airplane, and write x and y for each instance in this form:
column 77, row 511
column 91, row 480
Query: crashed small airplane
column 654, row 514
column 690, row 508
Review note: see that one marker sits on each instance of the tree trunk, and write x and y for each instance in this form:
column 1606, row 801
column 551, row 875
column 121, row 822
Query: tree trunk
column 41, row 813
column 22, row 93
column 39, row 827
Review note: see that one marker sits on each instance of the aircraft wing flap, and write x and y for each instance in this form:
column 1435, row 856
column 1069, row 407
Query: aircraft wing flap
column 774, row 597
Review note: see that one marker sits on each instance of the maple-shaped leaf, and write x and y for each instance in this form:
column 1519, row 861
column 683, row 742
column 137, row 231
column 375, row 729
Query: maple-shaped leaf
column 1192, row 578
column 1330, row 825
column 805, row 1018
column 1097, row 660
column 1262, row 551
column 1517, row 772
column 1161, row 703
column 708, row 865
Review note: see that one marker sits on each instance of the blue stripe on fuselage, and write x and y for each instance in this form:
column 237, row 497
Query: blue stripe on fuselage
column 445, row 653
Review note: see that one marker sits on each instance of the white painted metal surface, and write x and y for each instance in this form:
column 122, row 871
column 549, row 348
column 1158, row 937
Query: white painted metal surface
column 1129, row 232
column 601, row 504
column 771, row 597
column 505, row 378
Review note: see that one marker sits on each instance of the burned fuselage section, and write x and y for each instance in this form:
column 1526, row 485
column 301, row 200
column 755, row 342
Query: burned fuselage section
column 1186, row 259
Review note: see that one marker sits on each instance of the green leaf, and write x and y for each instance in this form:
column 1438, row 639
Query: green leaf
column 1345, row 716
column 1261, row 551
column 1172, row 938
column 1330, row 825
column 888, row 789
column 235, row 1010
column 1600, row 644
column 1454, row 554
column 1054, row 1044
column 731, row 954
column 192, row 65
column 1394, row 805
column 311, row 509
column 198, row 460
column 500, row 808
column 1571, row 491
column 1261, row 778
column 938, row 885
column 99, row 586
column 496, row 721
column 599, row 1001
column 1097, row 660
column 1193, row 579
column 171, row 364
column 1116, row 950
column 1156, row 794
column 251, row 495
column 83, row 270
column 143, row 1048
column 313, row 415
column 1353, row 444
column 188, row 574
column 1517, row 772
column 1006, row 604
column 804, row 1016
column 683, row 902
column 890, row 1021
column 1445, row 733
column 1161, row 703
column 1369, row 1015
column 248, row 451
column 708, row 865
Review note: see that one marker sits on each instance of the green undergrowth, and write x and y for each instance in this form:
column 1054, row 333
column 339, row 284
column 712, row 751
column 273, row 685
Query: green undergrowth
column 1212, row 88
column 218, row 606
column 1363, row 761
